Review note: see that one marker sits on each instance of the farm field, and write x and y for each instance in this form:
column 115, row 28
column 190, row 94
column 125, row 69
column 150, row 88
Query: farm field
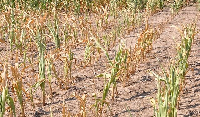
column 85, row 58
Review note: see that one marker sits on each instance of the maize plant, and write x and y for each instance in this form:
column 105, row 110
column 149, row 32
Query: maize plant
column 5, row 97
column 54, row 29
column 12, row 30
column 41, row 49
column 116, row 66
column 87, row 57
column 176, row 5
column 18, row 87
column 153, row 5
column 143, row 46
column 168, row 94
column 68, row 67
column 49, row 63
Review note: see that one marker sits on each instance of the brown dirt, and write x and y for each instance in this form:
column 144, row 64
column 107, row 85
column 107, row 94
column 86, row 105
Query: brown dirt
column 133, row 99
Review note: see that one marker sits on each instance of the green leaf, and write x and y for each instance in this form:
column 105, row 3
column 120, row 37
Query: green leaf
column 12, row 105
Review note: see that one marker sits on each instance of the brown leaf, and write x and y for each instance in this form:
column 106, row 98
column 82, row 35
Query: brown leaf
column 2, row 41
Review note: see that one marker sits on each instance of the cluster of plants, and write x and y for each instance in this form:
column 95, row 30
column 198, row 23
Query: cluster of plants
column 39, row 34
column 172, row 83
